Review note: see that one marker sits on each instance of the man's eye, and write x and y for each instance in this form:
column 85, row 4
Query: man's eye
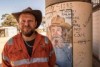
column 30, row 21
column 21, row 21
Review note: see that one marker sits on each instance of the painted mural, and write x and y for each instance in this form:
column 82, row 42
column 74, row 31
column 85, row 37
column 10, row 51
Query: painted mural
column 72, row 40
column 59, row 31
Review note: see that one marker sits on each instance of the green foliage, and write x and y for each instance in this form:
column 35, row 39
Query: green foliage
column 8, row 20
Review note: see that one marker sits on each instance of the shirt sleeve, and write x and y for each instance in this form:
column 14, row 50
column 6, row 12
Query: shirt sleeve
column 5, row 58
column 52, row 57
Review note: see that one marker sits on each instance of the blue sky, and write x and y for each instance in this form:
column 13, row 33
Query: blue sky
column 10, row 6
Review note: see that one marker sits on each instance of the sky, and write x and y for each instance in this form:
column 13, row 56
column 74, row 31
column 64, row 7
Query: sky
column 10, row 6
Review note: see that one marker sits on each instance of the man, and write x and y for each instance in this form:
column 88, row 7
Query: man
column 28, row 48
column 61, row 41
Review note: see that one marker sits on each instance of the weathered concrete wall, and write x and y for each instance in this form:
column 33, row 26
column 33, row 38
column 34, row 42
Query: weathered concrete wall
column 51, row 2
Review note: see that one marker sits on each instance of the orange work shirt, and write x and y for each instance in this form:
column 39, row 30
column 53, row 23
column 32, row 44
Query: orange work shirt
column 15, row 53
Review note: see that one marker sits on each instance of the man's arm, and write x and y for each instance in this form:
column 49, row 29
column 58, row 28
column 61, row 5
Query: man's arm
column 52, row 57
column 5, row 58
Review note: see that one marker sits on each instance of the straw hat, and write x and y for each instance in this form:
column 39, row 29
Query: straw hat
column 59, row 21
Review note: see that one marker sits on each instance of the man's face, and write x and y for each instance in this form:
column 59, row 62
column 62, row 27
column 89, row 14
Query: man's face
column 56, row 36
column 27, row 24
column 56, row 31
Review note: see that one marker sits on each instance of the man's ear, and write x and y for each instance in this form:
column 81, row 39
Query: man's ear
column 18, row 25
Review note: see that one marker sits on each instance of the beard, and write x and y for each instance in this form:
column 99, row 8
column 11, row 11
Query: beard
column 57, row 41
column 28, row 34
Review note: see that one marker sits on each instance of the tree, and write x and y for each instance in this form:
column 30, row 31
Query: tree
column 8, row 20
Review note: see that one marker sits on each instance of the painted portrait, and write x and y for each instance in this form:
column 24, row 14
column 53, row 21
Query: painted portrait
column 61, row 37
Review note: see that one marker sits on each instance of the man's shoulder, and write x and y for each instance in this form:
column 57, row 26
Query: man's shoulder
column 11, row 40
column 45, row 38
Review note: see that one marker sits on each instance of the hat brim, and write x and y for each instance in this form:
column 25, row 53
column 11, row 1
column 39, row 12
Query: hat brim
column 36, row 13
column 64, row 25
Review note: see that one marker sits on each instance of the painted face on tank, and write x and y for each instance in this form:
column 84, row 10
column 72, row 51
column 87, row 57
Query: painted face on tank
column 56, row 31
column 56, row 35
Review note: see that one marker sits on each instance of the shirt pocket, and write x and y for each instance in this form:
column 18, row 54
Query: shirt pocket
column 15, row 54
column 41, row 51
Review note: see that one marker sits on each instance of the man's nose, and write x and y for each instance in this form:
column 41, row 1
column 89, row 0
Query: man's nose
column 56, row 32
column 26, row 23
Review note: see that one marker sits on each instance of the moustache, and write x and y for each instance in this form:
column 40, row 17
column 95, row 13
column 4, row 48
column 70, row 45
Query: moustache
column 27, row 27
column 56, row 37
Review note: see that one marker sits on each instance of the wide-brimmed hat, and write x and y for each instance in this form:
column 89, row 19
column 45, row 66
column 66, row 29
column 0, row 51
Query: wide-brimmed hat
column 59, row 21
column 36, row 13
